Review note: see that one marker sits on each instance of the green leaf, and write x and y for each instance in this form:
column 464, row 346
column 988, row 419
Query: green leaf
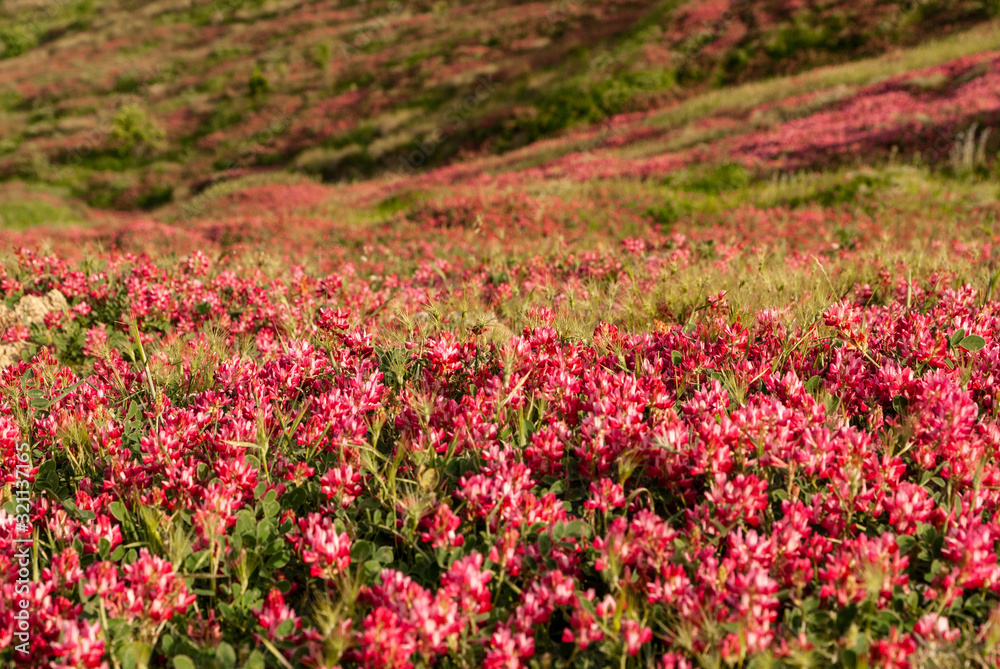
column 265, row 530
column 47, row 477
column 586, row 604
column 422, row 566
column 361, row 551
column 295, row 498
column 251, row 598
column 46, row 468
column 372, row 568
column 384, row 555
column 976, row 605
column 544, row 543
column 271, row 508
column 676, row 358
column 536, row 527
column 277, row 562
column 813, row 383
column 255, row 661
column 183, row 662
column 887, row 618
column 285, row 628
column 225, row 655
column 119, row 511
column 935, row 569
column 245, row 523
column 973, row 343
column 576, row 528
column 956, row 338
column 846, row 616
column 558, row 531
column 133, row 654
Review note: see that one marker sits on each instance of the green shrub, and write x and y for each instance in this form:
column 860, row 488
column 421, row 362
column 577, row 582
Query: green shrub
column 352, row 78
column 396, row 203
column 792, row 39
column 849, row 192
column 258, row 83
column 105, row 161
column 726, row 177
column 16, row 39
column 667, row 214
column 614, row 95
column 859, row 190
column 320, row 55
column 567, row 105
column 10, row 98
column 127, row 83
column 585, row 101
column 156, row 196
column 336, row 164
column 133, row 131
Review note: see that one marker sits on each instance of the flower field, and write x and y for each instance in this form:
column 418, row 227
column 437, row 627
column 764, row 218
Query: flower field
column 737, row 444
column 711, row 383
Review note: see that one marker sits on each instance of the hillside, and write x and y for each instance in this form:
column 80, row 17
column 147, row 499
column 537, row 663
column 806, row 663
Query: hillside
column 132, row 105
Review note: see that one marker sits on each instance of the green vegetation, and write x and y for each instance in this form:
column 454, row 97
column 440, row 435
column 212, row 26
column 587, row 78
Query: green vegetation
column 397, row 203
column 15, row 40
column 721, row 178
column 258, row 85
column 156, row 196
column 24, row 213
column 133, row 132
column 550, row 77
column 320, row 55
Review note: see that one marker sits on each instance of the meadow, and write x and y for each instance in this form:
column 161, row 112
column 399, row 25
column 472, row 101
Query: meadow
column 548, row 335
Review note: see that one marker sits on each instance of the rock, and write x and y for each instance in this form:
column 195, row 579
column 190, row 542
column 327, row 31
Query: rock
column 7, row 318
column 10, row 352
column 32, row 309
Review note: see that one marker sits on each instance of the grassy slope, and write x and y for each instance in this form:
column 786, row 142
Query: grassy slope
column 344, row 91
